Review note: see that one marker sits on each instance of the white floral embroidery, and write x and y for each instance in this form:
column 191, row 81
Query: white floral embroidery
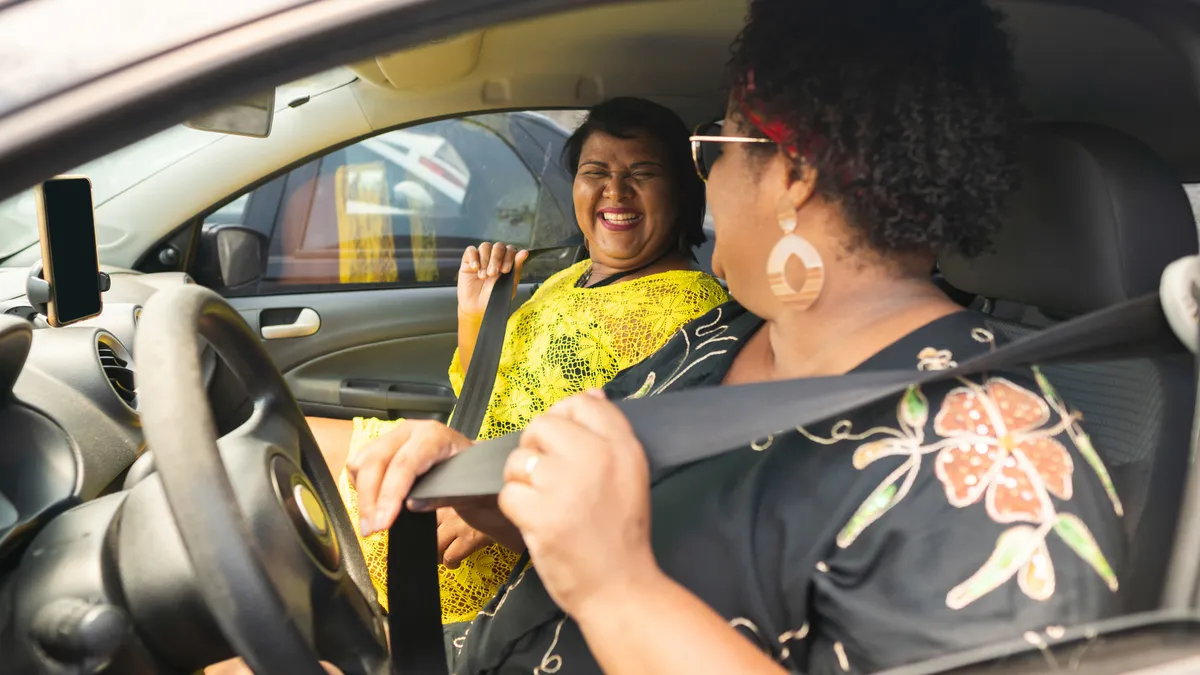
column 551, row 662
column 843, row 660
column 510, row 589
column 935, row 359
column 743, row 622
column 763, row 443
column 784, row 652
column 798, row 634
column 713, row 331
column 983, row 336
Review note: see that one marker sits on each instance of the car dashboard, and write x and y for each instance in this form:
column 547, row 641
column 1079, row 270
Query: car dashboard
column 71, row 424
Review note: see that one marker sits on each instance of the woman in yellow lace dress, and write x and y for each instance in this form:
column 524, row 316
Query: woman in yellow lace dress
column 640, row 206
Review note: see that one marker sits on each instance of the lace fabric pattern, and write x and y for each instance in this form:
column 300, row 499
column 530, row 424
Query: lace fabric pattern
column 564, row 340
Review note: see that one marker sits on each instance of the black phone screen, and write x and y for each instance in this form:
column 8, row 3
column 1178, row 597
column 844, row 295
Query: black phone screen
column 71, row 264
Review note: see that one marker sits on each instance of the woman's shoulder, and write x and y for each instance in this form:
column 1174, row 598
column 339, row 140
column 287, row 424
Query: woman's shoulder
column 685, row 279
column 683, row 293
column 699, row 353
column 938, row 345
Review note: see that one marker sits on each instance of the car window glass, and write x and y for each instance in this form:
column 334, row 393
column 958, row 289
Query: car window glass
column 110, row 175
column 233, row 213
column 115, row 173
column 399, row 208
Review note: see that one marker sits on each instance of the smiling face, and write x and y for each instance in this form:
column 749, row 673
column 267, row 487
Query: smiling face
column 623, row 200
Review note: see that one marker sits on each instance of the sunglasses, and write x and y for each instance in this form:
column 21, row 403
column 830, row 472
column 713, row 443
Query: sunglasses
column 707, row 144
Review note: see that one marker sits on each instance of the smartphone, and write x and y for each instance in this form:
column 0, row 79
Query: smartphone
column 70, row 262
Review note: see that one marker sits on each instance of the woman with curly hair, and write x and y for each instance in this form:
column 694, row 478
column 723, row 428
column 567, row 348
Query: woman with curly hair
column 861, row 140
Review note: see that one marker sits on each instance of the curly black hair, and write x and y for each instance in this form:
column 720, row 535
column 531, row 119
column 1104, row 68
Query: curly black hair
column 625, row 117
column 908, row 110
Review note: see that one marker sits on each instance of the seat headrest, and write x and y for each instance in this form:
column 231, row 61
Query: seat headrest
column 1097, row 219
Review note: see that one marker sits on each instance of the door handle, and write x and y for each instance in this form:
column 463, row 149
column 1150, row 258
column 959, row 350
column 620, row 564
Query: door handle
column 307, row 323
column 400, row 397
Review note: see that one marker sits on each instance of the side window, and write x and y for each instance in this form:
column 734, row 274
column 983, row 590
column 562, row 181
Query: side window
column 397, row 209
column 233, row 213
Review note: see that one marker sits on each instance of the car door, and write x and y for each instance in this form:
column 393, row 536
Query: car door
column 353, row 291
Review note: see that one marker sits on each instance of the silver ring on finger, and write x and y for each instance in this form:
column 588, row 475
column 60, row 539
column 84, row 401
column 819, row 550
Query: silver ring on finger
column 531, row 463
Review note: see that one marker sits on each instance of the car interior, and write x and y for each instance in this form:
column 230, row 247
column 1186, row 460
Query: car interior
column 119, row 555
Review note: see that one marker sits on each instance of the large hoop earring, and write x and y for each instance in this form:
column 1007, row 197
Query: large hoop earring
column 792, row 244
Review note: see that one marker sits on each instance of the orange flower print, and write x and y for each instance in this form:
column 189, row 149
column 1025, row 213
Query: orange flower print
column 1003, row 452
column 993, row 442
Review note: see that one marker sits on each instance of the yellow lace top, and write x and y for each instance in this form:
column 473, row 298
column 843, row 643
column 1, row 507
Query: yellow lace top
column 562, row 341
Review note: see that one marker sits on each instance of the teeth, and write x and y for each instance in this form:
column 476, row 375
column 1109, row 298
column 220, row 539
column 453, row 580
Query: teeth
column 621, row 217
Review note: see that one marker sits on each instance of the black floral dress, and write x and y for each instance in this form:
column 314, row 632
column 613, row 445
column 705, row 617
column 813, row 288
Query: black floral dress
column 961, row 514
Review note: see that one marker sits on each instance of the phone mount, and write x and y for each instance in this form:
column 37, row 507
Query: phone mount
column 37, row 289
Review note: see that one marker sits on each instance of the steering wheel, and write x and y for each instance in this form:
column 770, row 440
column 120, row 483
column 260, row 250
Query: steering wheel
column 275, row 557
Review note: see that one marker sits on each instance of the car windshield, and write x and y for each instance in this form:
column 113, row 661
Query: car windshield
column 53, row 45
column 117, row 172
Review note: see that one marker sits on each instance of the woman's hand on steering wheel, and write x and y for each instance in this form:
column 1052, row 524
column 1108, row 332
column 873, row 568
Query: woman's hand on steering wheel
column 481, row 268
column 578, row 488
column 384, row 472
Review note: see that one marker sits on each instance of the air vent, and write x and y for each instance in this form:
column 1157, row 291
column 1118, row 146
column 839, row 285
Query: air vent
column 119, row 374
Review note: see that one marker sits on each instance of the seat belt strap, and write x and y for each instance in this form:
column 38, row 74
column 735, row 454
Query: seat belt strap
column 414, row 601
column 680, row 428
column 480, row 379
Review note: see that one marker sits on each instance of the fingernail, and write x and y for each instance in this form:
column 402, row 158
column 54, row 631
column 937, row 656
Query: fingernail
column 364, row 526
column 381, row 521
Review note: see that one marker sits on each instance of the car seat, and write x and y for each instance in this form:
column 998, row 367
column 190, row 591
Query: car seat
column 1097, row 218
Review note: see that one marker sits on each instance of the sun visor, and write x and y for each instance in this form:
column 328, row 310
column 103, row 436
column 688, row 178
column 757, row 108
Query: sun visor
column 369, row 71
column 430, row 65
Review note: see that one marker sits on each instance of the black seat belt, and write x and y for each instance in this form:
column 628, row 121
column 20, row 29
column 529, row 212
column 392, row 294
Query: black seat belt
column 415, row 620
column 679, row 428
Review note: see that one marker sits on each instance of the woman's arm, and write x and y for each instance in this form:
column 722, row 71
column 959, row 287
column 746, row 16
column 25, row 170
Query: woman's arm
column 468, row 334
column 578, row 488
column 654, row 625
column 333, row 437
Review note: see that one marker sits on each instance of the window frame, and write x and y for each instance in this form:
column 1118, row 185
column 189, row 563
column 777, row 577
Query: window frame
column 265, row 288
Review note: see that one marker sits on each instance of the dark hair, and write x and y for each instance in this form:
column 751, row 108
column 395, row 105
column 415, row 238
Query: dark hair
column 908, row 110
column 625, row 117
